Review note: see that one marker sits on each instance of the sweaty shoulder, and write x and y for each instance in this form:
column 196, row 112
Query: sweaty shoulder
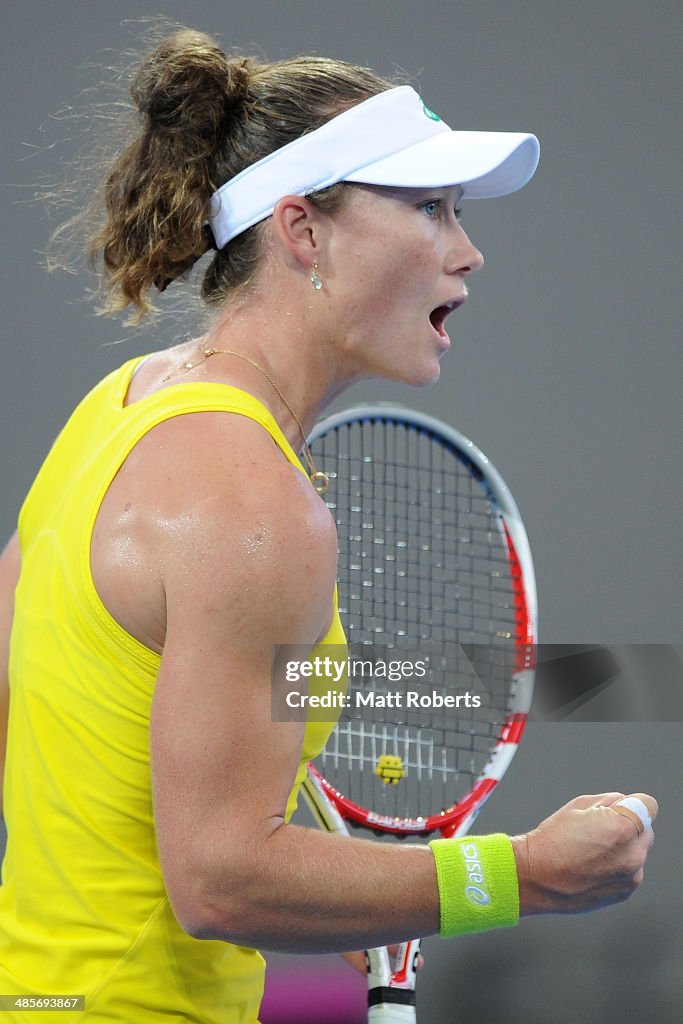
column 236, row 529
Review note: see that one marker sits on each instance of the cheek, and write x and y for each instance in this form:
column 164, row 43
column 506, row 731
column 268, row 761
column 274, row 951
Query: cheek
column 409, row 284
column 402, row 272
column 383, row 281
column 374, row 284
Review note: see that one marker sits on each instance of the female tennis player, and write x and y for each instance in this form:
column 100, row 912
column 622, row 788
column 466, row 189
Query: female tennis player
column 172, row 543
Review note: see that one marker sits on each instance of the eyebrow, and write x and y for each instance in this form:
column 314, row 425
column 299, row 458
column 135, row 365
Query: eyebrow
column 410, row 193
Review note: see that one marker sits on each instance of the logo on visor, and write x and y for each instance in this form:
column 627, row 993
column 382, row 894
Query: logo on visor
column 430, row 113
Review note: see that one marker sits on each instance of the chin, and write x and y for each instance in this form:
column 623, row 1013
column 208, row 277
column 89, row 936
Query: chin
column 424, row 376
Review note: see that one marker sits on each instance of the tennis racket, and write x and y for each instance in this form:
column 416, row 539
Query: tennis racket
column 434, row 561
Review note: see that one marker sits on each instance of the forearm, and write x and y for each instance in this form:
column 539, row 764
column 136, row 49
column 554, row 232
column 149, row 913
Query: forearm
column 304, row 891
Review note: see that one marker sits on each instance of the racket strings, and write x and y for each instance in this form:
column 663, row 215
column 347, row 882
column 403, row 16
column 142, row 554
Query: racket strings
column 423, row 570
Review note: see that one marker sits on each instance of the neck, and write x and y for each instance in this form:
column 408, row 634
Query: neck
column 292, row 347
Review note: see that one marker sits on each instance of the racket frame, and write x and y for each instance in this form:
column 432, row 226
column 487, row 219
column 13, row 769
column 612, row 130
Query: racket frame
column 392, row 984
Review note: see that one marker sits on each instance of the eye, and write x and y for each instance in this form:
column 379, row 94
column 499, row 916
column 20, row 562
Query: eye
column 432, row 207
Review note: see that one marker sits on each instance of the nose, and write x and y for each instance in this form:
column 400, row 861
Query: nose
column 465, row 258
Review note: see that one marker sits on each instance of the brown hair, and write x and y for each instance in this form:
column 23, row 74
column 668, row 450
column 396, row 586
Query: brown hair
column 203, row 118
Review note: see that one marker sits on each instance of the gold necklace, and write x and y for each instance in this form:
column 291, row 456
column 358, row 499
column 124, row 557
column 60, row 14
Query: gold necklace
column 320, row 480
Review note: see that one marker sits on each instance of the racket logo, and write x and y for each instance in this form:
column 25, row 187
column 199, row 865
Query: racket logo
column 475, row 892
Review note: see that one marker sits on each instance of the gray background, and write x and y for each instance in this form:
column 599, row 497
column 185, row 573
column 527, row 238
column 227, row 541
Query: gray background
column 565, row 369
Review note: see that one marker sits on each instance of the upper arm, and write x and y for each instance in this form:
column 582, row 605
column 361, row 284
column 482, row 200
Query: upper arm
column 254, row 569
column 10, row 565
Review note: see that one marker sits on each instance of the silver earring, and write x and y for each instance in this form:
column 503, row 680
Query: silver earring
column 316, row 280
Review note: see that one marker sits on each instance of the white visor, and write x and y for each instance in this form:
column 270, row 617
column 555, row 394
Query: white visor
column 391, row 139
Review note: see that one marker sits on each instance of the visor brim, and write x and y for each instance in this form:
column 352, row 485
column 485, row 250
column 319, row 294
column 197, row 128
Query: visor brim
column 486, row 164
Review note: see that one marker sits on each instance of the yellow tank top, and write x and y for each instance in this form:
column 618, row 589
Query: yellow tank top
column 83, row 908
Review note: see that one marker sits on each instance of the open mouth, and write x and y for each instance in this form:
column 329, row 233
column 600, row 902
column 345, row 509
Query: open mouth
column 438, row 316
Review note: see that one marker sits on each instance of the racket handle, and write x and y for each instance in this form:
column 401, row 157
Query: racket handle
column 391, row 984
column 386, row 1014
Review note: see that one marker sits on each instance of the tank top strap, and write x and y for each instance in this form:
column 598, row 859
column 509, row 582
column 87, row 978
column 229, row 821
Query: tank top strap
column 198, row 396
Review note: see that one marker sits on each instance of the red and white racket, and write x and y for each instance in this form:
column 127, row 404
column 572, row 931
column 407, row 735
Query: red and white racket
column 433, row 561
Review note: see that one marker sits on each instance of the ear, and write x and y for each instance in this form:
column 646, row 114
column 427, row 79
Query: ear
column 298, row 227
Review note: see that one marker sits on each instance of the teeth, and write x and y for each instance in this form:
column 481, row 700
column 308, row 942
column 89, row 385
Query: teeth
column 448, row 307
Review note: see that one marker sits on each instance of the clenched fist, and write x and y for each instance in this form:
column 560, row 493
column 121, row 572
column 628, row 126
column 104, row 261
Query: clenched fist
column 583, row 857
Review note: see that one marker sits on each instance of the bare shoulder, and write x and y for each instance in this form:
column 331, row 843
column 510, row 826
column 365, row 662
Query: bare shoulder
column 238, row 527
column 204, row 506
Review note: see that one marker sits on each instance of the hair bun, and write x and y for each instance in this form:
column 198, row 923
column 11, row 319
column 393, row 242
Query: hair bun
column 188, row 78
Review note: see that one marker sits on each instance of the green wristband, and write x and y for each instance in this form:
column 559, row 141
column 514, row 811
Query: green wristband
column 477, row 879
